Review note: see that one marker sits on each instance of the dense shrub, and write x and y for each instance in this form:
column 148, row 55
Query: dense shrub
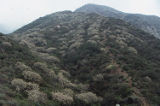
column 49, row 58
column 37, row 96
column 51, row 50
column 65, row 73
column 51, row 74
column 32, row 86
column 132, row 50
column 98, row 77
column 68, row 91
column 25, row 43
column 60, row 97
column 19, row 84
column 32, row 76
column 39, row 42
column 22, row 67
column 41, row 66
column 40, row 49
column 6, row 44
column 75, row 45
column 83, row 87
column 110, row 67
column 88, row 97
column 62, row 79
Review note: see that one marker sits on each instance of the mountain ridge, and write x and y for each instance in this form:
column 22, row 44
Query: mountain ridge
column 148, row 23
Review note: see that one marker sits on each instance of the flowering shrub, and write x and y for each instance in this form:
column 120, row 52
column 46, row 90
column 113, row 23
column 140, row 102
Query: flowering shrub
column 41, row 66
column 32, row 76
column 62, row 79
column 22, row 67
column 98, row 77
column 132, row 50
column 37, row 96
column 60, row 97
column 32, row 86
column 88, row 97
column 19, row 84
column 68, row 91
column 51, row 50
column 6, row 44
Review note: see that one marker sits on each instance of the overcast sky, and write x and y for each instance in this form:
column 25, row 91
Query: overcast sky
column 16, row 13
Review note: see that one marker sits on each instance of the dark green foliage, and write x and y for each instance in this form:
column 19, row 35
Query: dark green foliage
column 8, row 58
column 115, row 60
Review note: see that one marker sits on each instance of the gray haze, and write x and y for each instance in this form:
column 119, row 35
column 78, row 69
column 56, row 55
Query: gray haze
column 16, row 13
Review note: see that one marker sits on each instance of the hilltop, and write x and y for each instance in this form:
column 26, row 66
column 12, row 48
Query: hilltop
column 147, row 23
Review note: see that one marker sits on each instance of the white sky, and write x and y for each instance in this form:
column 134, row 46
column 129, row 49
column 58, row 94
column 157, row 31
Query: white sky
column 16, row 13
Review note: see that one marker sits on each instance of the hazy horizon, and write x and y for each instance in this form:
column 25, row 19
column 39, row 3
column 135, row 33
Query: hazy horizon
column 17, row 13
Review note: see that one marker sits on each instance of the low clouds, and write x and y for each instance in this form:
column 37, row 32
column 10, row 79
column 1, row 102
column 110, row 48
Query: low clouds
column 16, row 13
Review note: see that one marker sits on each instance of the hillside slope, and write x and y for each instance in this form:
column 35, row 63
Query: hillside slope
column 150, row 24
column 109, row 61
column 26, row 79
column 11, row 53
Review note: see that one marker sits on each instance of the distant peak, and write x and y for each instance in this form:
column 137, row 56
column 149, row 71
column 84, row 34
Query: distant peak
column 90, row 5
column 97, row 7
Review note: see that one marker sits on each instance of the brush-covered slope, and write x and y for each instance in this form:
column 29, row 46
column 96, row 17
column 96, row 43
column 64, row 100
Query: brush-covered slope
column 26, row 79
column 150, row 24
column 11, row 54
column 106, row 61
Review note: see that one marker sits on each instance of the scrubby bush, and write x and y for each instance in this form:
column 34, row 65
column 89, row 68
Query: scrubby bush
column 19, row 84
column 71, row 85
column 22, row 67
column 83, row 87
column 92, row 42
column 147, row 79
column 111, row 67
column 123, row 89
column 132, row 50
column 32, row 76
column 121, row 43
column 92, row 30
column 98, row 77
column 32, row 86
column 62, row 98
column 51, row 74
column 53, row 59
column 62, row 79
column 96, row 37
column 75, row 45
column 39, row 42
column 37, row 96
column 68, row 91
column 26, row 43
column 65, row 73
column 40, row 49
column 6, row 44
column 49, row 58
column 134, row 99
column 41, row 66
column 51, row 50
column 88, row 97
